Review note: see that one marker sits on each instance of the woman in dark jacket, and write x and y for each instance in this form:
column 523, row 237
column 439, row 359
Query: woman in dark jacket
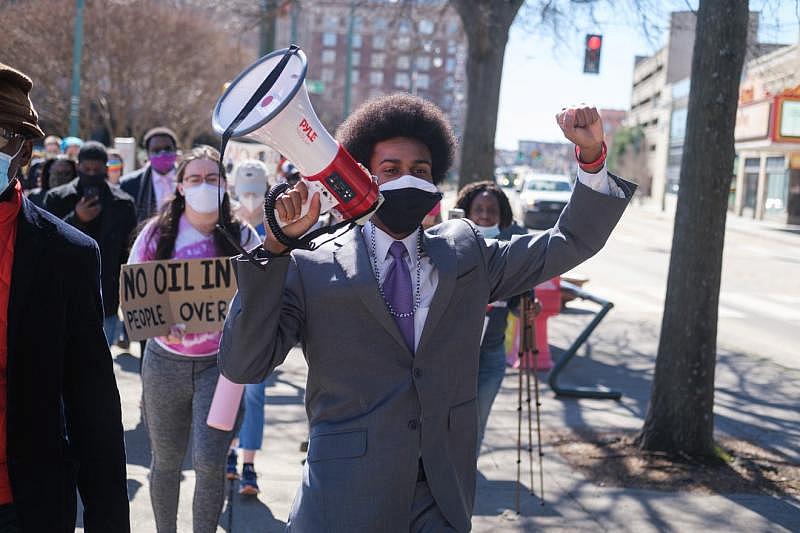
column 487, row 206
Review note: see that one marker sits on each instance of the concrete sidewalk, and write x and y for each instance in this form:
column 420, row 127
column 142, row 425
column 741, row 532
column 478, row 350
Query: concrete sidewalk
column 756, row 399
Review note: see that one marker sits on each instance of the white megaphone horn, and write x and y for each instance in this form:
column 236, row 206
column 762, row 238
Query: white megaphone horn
column 268, row 102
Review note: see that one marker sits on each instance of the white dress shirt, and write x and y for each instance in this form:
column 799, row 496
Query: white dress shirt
column 429, row 276
column 163, row 186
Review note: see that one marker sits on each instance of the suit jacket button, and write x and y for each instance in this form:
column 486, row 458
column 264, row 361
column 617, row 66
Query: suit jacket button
column 413, row 424
column 417, row 373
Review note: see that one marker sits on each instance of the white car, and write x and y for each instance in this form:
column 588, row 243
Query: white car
column 542, row 199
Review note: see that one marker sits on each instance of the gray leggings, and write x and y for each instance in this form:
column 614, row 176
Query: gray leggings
column 177, row 396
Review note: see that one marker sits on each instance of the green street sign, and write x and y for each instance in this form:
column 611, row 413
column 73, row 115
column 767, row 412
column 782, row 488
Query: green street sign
column 315, row 86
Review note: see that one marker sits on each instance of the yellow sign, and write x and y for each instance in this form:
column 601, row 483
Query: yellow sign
column 193, row 294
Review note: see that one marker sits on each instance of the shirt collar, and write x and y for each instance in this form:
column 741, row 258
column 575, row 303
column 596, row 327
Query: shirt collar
column 383, row 241
column 163, row 177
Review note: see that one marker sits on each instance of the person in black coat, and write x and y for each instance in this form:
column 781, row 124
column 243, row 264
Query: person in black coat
column 152, row 185
column 102, row 212
column 61, row 407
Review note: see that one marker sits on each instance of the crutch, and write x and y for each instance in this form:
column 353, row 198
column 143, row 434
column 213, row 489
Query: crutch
column 527, row 345
column 531, row 310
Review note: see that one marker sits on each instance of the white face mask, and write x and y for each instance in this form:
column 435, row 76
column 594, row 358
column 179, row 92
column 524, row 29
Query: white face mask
column 203, row 198
column 252, row 203
column 489, row 232
column 5, row 164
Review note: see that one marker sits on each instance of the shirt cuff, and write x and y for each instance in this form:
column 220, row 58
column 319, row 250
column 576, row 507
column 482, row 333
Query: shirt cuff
column 600, row 182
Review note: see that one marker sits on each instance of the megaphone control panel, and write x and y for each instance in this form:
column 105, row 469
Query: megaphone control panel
column 340, row 187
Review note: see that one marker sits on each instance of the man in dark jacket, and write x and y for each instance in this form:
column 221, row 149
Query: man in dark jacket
column 105, row 214
column 154, row 184
column 60, row 419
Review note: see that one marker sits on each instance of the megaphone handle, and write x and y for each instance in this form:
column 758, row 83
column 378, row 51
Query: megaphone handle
column 326, row 199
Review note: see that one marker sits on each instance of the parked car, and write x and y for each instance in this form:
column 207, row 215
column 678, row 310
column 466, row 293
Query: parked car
column 542, row 199
column 510, row 177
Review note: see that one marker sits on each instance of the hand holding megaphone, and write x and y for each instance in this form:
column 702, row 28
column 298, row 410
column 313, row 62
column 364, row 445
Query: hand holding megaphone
column 290, row 207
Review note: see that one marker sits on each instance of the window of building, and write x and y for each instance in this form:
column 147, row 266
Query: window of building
column 401, row 80
column 403, row 62
column 423, row 63
column 777, row 185
column 376, row 78
column 328, row 57
column 378, row 42
column 331, row 22
column 328, row 39
column 355, row 58
column 403, row 42
column 326, row 75
column 752, row 166
column 423, row 81
column 426, row 27
column 450, row 64
column 357, row 40
column 404, row 26
column 452, row 27
column 380, row 24
column 354, row 75
column 377, row 60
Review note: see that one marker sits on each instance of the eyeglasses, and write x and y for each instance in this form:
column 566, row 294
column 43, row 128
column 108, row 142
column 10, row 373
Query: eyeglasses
column 194, row 180
column 8, row 136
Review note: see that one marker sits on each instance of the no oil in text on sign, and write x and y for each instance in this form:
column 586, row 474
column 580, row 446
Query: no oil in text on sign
column 194, row 293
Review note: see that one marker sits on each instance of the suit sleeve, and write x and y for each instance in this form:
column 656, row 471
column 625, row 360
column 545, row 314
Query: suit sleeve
column 266, row 319
column 92, row 404
column 581, row 231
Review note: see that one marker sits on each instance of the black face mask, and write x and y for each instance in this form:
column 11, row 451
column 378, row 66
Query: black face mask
column 402, row 210
column 91, row 180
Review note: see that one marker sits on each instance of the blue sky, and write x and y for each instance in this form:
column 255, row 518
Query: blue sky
column 540, row 77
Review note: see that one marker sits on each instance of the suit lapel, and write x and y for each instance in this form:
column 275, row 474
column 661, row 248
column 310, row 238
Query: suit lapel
column 443, row 257
column 353, row 258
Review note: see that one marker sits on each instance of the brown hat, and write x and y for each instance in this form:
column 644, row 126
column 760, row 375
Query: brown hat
column 16, row 109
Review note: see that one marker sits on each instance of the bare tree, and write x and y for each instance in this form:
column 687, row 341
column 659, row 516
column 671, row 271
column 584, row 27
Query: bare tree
column 680, row 417
column 486, row 24
column 145, row 63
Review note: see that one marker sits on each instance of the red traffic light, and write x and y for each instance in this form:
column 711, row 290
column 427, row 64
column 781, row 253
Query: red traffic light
column 593, row 42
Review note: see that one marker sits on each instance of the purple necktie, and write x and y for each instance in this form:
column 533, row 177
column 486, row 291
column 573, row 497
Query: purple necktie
column 397, row 290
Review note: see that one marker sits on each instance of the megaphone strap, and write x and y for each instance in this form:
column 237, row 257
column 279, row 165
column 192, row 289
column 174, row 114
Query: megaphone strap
column 262, row 90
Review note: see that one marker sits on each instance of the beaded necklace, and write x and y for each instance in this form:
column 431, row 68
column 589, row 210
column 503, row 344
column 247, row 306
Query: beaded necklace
column 374, row 258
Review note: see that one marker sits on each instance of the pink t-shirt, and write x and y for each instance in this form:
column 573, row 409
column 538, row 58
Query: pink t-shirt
column 190, row 244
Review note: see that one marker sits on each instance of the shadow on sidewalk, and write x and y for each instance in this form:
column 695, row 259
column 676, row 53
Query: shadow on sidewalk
column 498, row 497
column 755, row 400
column 247, row 514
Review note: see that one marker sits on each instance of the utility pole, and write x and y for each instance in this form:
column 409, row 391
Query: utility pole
column 266, row 32
column 295, row 13
column 348, row 74
column 77, row 52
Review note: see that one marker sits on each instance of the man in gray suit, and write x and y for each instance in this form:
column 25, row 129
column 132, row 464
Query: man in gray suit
column 390, row 320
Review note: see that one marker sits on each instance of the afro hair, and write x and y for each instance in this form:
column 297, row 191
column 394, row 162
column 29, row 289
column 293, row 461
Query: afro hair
column 399, row 115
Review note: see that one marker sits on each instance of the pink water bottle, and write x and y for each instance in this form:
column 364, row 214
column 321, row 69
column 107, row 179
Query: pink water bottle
column 225, row 404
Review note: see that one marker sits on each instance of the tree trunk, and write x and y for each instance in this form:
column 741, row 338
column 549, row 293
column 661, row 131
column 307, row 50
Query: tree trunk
column 680, row 416
column 486, row 24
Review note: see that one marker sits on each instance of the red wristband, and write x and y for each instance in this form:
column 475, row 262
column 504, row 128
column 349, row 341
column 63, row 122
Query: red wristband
column 592, row 166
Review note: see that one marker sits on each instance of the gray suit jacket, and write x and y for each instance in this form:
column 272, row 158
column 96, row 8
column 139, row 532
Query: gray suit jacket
column 375, row 408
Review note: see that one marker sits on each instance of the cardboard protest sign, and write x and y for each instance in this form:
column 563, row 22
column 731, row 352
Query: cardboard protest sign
column 193, row 294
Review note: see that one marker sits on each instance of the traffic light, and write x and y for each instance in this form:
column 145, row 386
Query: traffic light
column 591, row 58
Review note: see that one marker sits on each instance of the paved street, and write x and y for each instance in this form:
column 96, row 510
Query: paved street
column 758, row 397
column 759, row 300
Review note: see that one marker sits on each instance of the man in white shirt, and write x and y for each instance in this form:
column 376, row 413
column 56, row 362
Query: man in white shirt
column 390, row 319
column 152, row 185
